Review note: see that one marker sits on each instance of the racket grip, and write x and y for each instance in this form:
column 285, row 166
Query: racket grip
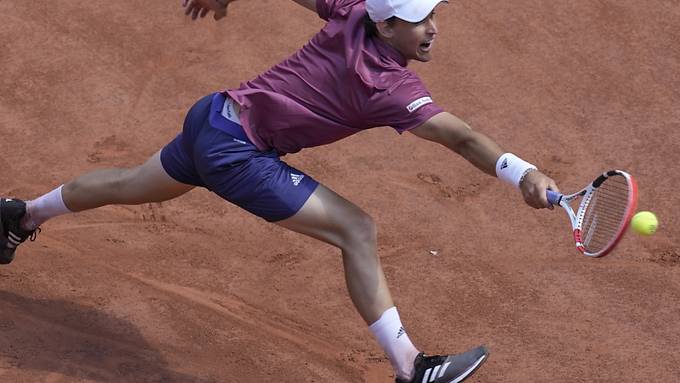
column 554, row 197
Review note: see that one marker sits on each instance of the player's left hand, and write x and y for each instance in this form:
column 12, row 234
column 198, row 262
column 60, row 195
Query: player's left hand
column 200, row 8
column 534, row 187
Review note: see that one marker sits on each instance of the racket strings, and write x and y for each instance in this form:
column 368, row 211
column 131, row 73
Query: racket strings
column 605, row 213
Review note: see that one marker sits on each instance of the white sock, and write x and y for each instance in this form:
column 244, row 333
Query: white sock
column 391, row 335
column 43, row 208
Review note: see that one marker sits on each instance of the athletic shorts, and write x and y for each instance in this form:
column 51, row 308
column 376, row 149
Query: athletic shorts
column 215, row 153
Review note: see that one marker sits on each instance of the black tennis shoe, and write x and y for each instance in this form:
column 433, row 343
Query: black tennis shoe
column 447, row 368
column 11, row 212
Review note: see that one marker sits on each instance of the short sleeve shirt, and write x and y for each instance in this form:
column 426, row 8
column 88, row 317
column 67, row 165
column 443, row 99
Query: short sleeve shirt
column 340, row 83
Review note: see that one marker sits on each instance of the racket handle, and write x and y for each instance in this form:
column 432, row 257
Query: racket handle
column 554, row 197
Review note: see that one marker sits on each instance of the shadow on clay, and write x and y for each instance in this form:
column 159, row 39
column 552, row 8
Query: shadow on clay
column 67, row 338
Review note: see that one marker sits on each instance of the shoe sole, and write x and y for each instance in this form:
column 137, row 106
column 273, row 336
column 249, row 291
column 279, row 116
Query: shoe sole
column 6, row 255
column 472, row 369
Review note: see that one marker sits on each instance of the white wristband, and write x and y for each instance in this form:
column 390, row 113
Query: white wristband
column 512, row 169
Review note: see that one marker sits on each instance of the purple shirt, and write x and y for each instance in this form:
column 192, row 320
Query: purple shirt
column 338, row 84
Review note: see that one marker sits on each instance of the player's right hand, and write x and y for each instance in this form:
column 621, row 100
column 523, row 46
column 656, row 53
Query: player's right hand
column 533, row 188
column 200, row 8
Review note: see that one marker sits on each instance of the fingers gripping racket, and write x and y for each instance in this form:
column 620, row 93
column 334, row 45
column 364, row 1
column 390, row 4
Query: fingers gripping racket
column 603, row 215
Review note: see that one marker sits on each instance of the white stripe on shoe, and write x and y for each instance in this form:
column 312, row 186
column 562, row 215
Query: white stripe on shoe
column 12, row 240
column 427, row 375
column 434, row 373
column 444, row 367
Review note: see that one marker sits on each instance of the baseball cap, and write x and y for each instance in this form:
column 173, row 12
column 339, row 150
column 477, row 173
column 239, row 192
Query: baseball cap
column 407, row 10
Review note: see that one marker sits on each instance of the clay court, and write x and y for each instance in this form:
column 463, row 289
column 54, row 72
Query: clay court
column 197, row 290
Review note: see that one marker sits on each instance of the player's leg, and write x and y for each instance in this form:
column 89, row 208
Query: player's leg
column 330, row 218
column 167, row 174
column 145, row 183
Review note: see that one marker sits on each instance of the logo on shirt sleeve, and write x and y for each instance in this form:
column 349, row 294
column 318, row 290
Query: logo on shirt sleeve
column 412, row 107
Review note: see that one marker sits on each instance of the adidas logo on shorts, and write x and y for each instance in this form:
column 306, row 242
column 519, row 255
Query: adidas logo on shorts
column 296, row 178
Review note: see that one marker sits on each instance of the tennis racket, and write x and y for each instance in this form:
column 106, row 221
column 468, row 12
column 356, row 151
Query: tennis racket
column 605, row 210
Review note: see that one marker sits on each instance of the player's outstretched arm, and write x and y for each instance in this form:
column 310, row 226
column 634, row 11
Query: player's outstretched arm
column 480, row 150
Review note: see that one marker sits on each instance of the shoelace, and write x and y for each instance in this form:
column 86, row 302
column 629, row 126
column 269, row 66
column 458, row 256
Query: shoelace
column 34, row 234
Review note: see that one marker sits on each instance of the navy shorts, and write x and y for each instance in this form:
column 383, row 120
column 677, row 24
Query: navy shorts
column 223, row 160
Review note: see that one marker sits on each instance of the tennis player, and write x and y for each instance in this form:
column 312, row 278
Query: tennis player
column 351, row 76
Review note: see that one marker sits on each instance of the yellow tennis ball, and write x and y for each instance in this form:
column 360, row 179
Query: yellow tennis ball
column 645, row 223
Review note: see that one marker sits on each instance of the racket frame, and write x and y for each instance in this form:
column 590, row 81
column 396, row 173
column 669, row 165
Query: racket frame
column 577, row 218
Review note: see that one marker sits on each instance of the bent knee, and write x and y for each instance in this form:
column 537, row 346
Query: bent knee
column 360, row 231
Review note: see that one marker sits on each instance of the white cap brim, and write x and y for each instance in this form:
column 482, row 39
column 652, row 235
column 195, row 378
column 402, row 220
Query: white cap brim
column 415, row 11
column 412, row 11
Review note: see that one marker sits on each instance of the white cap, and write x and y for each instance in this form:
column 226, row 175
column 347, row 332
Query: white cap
column 407, row 10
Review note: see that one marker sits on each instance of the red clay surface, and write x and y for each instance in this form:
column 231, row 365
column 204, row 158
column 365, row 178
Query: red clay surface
column 195, row 290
